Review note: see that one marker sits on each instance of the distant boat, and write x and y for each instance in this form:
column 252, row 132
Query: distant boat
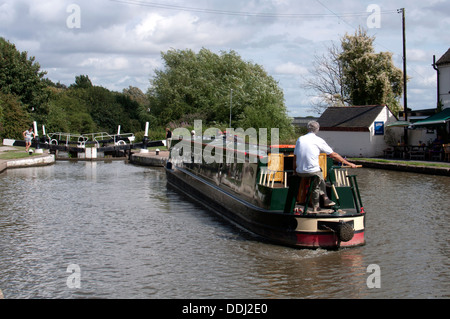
column 253, row 192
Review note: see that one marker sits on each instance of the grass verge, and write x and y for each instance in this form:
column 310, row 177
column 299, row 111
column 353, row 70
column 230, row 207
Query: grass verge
column 409, row 163
column 15, row 154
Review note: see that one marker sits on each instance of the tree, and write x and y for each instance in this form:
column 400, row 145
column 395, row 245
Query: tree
column 85, row 108
column 327, row 80
column 81, row 82
column 142, row 111
column 136, row 95
column 21, row 76
column 200, row 85
column 69, row 112
column 356, row 75
column 14, row 119
column 369, row 77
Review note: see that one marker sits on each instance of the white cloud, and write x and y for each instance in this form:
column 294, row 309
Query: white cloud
column 148, row 26
column 106, row 63
column 291, row 68
column 417, row 55
column 31, row 45
column 49, row 11
column 7, row 14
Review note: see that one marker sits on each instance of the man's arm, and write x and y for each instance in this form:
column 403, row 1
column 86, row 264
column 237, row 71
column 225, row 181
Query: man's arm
column 339, row 158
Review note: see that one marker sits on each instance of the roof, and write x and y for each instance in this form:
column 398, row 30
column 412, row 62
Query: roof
column 445, row 59
column 303, row 121
column 423, row 112
column 349, row 118
column 439, row 118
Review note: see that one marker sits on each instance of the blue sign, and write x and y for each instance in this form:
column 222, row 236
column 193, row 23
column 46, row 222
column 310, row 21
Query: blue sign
column 379, row 128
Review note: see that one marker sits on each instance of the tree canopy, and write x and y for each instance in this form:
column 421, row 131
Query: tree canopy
column 203, row 85
column 93, row 109
column 22, row 90
column 354, row 74
column 369, row 77
column 14, row 118
column 82, row 82
column 21, row 76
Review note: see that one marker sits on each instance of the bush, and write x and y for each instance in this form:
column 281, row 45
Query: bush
column 14, row 119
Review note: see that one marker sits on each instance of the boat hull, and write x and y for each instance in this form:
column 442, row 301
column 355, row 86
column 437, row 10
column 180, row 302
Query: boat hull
column 300, row 231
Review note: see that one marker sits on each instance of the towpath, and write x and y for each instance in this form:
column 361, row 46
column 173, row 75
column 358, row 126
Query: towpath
column 421, row 167
column 150, row 158
column 26, row 161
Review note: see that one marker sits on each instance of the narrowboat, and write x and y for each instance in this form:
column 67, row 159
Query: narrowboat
column 252, row 186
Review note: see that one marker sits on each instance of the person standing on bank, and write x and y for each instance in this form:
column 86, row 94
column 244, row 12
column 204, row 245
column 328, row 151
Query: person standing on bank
column 306, row 162
column 28, row 135
column 168, row 138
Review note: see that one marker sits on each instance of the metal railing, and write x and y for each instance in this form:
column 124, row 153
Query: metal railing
column 82, row 139
column 268, row 177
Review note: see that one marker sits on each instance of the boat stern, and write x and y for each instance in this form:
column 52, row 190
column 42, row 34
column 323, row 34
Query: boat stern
column 330, row 232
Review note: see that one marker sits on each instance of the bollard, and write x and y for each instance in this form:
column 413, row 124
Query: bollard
column 157, row 151
column 145, row 143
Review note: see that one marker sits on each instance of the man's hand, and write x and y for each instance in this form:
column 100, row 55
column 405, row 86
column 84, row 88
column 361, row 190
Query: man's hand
column 339, row 158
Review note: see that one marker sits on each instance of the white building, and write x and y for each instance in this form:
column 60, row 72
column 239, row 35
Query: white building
column 443, row 70
column 356, row 131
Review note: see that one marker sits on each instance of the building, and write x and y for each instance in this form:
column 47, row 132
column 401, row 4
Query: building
column 417, row 115
column 356, row 131
column 303, row 121
column 442, row 67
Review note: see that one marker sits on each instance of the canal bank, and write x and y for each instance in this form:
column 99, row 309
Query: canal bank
column 151, row 158
column 26, row 161
column 419, row 167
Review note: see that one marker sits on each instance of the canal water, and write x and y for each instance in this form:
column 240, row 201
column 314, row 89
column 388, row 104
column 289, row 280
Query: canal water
column 115, row 230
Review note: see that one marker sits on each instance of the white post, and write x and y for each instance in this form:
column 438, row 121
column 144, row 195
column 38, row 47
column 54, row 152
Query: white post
column 118, row 130
column 35, row 128
column 231, row 103
column 146, row 129
column 37, row 150
column 145, row 150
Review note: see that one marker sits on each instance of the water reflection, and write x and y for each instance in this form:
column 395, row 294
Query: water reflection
column 133, row 237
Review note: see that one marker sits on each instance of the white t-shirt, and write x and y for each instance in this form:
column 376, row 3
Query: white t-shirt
column 307, row 150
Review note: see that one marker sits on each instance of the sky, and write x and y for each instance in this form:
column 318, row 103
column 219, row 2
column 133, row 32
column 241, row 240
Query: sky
column 118, row 43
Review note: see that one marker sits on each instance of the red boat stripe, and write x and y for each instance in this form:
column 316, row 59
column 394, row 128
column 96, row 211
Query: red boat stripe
column 327, row 240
